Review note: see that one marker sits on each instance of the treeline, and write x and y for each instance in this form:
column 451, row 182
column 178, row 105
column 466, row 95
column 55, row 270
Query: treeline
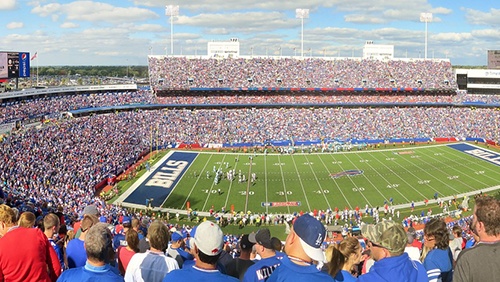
column 111, row 71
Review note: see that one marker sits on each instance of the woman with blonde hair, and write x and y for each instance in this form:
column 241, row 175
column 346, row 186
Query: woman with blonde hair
column 27, row 219
column 342, row 258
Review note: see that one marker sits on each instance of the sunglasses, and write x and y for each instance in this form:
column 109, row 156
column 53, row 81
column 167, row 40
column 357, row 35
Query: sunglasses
column 429, row 239
column 371, row 244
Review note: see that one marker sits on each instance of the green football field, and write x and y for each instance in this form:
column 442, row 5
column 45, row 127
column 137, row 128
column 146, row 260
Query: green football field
column 288, row 183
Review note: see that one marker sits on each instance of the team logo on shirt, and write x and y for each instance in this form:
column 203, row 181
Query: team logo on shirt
column 351, row 172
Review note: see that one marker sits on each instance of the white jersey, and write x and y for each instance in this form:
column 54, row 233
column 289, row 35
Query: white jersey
column 149, row 266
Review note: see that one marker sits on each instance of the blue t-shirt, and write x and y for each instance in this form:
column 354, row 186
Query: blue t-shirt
column 197, row 274
column 75, row 251
column 289, row 271
column 261, row 269
column 91, row 273
column 344, row 276
column 398, row 268
column 439, row 265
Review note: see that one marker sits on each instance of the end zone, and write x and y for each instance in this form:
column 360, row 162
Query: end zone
column 477, row 152
column 159, row 182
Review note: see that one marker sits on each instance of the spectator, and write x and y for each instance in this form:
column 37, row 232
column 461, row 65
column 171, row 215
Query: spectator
column 263, row 268
column 88, row 210
column 208, row 243
column 412, row 251
column 387, row 241
column 439, row 260
column 456, row 241
column 302, row 248
column 99, row 250
column 177, row 247
column 415, row 242
column 27, row 219
column 75, row 251
column 278, row 247
column 119, row 239
column 26, row 254
column 125, row 253
column 239, row 265
column 136, row 225
column 481, row 263
column 154, row 264
column 51, row 225
column 344, row 257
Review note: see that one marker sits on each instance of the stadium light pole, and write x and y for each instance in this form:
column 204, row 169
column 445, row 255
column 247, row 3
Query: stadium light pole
column 172, row 11
column 426, row 18
column 302, row 14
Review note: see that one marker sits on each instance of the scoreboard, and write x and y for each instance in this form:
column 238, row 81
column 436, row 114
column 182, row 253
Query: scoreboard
column 14, row 64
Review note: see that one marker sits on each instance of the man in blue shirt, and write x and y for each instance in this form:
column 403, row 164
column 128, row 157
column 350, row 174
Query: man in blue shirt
column 303, row 249
column 264, row 267
column 99, row 253
column 75, row 251
column 387, row 241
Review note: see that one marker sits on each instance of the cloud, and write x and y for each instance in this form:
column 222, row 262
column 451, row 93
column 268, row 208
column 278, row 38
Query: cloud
column 491, row 18
column 96, row 12
column 69, row 25
column 487, row 34
column 223, row 5
column 15, row 25
column 450, row 37
column 7, row 5
column 250, row 22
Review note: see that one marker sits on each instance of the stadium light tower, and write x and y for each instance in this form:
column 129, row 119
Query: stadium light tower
column 172, row 11
column 302, row 14
column 427, row 18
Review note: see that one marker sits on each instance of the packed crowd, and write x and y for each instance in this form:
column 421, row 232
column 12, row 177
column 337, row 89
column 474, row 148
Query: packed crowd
column 30, row 108
column 184, row 73
column 314, row 98
column 259, row 125
column 40, row 245
column 56, row 104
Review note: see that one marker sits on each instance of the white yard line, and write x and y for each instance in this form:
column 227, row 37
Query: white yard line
column 301, row 183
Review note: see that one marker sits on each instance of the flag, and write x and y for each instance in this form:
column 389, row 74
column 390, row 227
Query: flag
column 34, row 56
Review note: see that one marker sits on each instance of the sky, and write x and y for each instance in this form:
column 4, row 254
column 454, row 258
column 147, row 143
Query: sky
column 125, row 32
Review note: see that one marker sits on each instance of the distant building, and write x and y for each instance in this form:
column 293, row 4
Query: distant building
column 494, row 59
column 479, row 81
column 224, row 49
column 378, row 51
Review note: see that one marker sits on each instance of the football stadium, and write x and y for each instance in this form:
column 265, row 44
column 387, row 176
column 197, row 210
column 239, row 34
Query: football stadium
column 280, row 143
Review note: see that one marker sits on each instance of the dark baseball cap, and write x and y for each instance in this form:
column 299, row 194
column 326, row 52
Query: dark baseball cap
column 245, row 244
column 261, row 237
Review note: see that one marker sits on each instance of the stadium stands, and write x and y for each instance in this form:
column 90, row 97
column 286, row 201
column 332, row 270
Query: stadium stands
column 184, row 73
